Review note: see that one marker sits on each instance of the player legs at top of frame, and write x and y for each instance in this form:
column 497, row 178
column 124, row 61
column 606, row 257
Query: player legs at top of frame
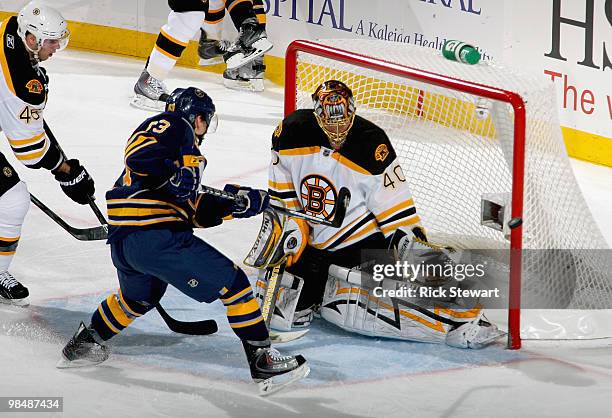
column 31, row 37
column 152, row 210
column 184, row 21
column 211, row 48
column 348, row 151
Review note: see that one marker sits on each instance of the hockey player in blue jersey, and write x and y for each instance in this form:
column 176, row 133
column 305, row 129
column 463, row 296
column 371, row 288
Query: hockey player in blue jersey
column 152, row 209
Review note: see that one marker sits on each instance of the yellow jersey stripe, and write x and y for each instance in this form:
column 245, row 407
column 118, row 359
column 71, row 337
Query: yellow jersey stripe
column 140, row 212
column 27, row 141
column 397, row 208
column 7, row 253
column 33, row 155
column 144, row 222
column 145, row 202
column 280, row 186
column 10, row 239
column 146, row 144
column 348, row 163
column 300, row 151
column 400, row 222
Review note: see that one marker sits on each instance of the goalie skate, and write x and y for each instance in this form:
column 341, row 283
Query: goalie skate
column 475, row 334
column 11, row 291
column 82, row 350
column 149, row 93
column 211, row 51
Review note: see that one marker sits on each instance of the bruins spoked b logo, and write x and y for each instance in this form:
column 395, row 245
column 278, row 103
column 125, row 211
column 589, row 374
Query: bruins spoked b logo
column 318, row 196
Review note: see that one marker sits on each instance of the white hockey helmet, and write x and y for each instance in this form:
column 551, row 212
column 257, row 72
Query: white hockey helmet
column 44, row 23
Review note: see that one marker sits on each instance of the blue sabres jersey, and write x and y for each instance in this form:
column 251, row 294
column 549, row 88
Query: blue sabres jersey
column 139, row 199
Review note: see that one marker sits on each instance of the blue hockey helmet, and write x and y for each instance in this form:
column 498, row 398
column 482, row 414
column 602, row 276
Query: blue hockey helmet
column 191, row 102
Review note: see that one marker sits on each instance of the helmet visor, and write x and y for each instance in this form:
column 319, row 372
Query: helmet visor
column 212, row 121
column 57, row 43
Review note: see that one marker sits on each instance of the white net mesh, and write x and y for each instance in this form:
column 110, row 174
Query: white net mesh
column 452, row 157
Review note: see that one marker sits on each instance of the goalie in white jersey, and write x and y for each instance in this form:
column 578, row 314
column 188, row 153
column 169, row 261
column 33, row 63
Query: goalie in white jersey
column 32, row 36
column 314, row 155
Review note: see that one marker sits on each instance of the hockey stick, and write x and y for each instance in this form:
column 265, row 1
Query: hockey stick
column 91, row 202
column 205, row 327
column 83, row 234
column 344, row 197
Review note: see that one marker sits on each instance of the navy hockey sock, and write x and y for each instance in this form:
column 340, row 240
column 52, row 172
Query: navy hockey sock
column 243, row 312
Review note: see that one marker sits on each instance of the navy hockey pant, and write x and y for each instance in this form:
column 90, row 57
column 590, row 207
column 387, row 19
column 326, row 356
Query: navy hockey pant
column 148, row 261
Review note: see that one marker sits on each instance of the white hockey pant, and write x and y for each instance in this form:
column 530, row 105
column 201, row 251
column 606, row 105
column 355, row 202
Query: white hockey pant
column 182, row 27
column 14, row 205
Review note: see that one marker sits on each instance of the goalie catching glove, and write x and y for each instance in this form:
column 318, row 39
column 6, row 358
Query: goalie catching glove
column 77, row 184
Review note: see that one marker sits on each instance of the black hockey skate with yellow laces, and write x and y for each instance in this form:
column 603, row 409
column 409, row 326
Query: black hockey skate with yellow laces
column 252, row 42
column 11, row 291
column 83, row 350
column 270, row 369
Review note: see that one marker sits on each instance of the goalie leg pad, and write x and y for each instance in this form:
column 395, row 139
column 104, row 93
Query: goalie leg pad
column 284, row 316
column 354, row 308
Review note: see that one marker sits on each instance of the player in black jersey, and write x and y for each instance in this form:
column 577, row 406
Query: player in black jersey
column 33, row 36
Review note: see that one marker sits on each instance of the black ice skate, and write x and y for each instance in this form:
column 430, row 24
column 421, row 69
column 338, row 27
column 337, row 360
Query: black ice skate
column 249, row 77
column 211, row 51
column 149, row 93
column 251, row 43
column 11, row 291
column 271, row 370
column 83, row 350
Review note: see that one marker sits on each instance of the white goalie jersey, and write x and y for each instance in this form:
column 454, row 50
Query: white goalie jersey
column 306, row 173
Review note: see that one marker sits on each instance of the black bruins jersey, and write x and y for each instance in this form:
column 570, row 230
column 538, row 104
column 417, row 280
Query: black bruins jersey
column 306, row 173
column 23, row 95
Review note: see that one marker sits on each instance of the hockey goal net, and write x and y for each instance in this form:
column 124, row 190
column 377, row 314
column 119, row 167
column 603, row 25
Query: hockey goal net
column 481, row 148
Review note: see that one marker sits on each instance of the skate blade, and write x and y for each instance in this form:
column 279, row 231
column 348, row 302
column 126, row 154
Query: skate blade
column 144, row 103
column 276, row 383
column 23, row 303
column 205, row 62
column 64, row 363
column 259, row 48
column 285, row 337
column 252, row 86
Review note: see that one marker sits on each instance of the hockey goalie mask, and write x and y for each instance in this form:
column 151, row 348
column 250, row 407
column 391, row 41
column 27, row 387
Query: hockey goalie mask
column 334, row 108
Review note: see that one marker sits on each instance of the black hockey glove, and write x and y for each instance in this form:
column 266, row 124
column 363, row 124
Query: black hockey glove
column 77, row 184
column 250, row 202
column 184, row 181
